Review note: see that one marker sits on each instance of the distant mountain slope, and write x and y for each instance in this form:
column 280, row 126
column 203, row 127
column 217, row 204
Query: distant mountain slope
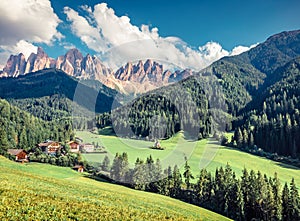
column 69, row 195
column 273, row 118
column 55, row 82
column 244, row 74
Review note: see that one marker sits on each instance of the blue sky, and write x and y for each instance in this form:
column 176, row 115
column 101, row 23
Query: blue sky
column 192, row 33
column 231, row 22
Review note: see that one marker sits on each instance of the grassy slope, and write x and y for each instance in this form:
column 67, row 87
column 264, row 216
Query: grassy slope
column 201, row 153
column 43, row 192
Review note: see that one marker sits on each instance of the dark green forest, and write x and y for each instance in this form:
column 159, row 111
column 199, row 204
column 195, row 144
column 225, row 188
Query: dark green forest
column 20, row 129
column 162, row 113
column 252, row 196
column 273, row 120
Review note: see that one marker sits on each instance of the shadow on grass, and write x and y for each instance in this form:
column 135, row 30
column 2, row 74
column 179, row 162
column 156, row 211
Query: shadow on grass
column 287, row 166
column 282, row 164
column 99, row 178
column 107, row 131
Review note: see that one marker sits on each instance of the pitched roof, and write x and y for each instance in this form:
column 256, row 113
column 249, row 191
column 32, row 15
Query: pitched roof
column 14, row 152
column 46, row 144
column 77, row 166
column 70, row 142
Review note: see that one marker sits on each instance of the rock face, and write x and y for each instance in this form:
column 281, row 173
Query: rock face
column 38, row 61
column 15, row 66
column 147, row 76
column 131, row 78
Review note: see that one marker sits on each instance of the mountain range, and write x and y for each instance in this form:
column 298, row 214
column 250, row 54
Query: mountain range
column 131, row 78
column 241, row 79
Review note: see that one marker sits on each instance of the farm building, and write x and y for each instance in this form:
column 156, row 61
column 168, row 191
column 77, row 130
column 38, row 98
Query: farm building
column 74, row 146
column 50, row 147
column 78, row 168
column 20, row 154
column 87, row 147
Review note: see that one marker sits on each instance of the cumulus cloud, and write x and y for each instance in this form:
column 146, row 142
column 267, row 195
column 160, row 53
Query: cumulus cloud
column 240, row 49
column 29, row 20
column 25, row 22
column 117, row 41
column 20, row 47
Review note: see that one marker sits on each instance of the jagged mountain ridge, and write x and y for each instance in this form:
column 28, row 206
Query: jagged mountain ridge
column 132, row 78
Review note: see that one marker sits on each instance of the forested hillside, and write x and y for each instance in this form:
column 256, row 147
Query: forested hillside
column 162, row 113
column 19, row 129
column 243, row 75
column 52, row 89
column 273, row 120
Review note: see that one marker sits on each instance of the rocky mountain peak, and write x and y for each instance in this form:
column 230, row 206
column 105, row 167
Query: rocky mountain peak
column 41, row 53
column 15, row 65
column 136, row 77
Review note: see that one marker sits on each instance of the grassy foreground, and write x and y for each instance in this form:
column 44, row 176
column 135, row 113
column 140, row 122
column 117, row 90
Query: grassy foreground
column 44, row 192
column 205, row 153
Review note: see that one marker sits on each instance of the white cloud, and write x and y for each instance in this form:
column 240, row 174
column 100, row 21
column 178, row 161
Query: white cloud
column 24, row 22
column 20, row 47
column 240, row 49
column 117, row 41
column 212, row 51
column 29, row 20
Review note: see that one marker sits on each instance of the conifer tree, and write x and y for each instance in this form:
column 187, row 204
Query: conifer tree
column 106, row 163
column 294, row 202
column 187, row 175
column 285, row 202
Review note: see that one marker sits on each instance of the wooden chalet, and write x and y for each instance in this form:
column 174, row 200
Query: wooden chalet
column 78, row 168
column 20, row 154
column 49, row 147
column 74, row 146
column 87, row 147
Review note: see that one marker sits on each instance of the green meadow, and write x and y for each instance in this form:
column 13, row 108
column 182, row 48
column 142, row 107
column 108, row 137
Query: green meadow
column 206, row 153
column 36, row 191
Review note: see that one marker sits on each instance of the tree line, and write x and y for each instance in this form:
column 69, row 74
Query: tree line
column 252, row 195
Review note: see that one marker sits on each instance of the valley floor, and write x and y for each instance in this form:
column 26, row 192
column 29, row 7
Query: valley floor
column 204, row 153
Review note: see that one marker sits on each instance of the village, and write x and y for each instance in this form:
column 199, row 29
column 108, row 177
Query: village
column 53, row 149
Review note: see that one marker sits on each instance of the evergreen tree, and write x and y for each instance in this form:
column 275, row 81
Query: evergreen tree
column 238, row 137
column 203, row 187
column 115, row 168
column 219, row 191
column 106, row 163
column 239, row 202
column 251, row 140
column 177, row 182
column 285, row 202
column 277, row 198
column 4, row 145
column 294, row 202
column 187, row 175
column 139, row 178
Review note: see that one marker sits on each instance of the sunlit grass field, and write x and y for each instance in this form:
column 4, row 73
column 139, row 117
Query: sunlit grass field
column 205, row 153
column 44, row 192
